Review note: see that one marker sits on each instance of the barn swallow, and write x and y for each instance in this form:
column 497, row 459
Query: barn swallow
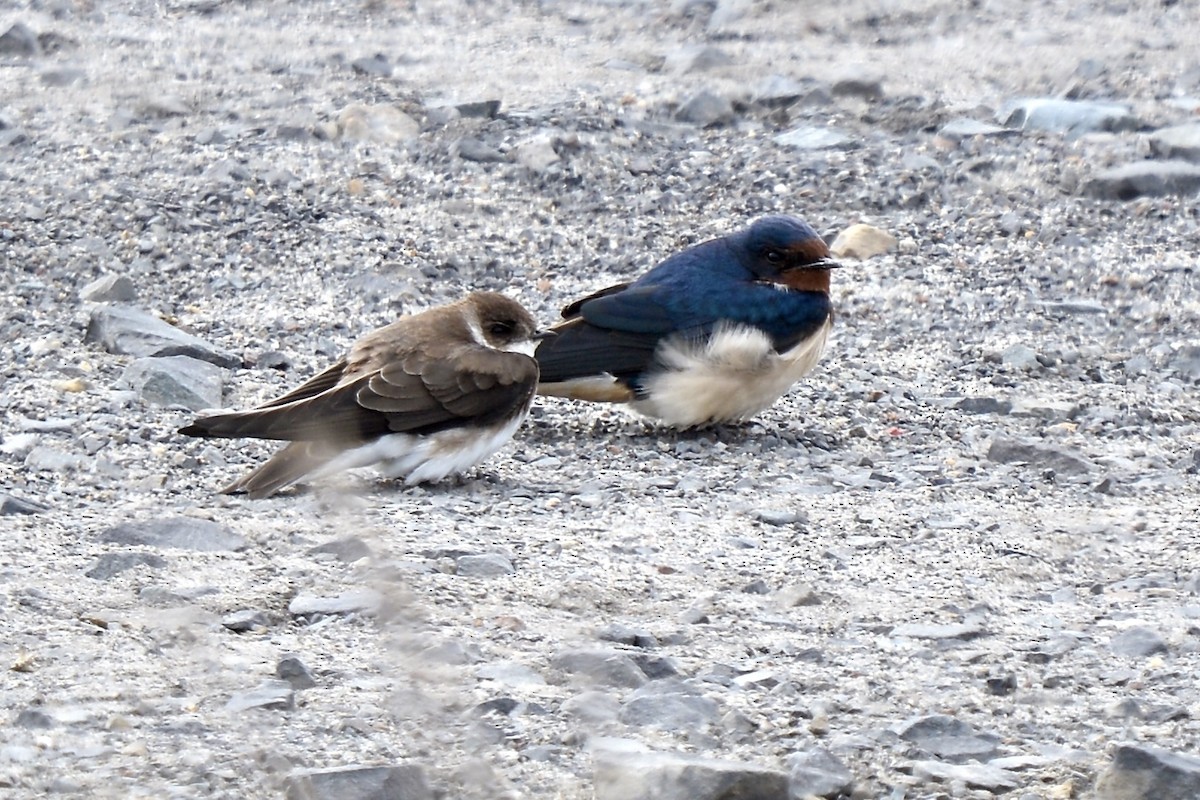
column 713, row 334
column 425, row 397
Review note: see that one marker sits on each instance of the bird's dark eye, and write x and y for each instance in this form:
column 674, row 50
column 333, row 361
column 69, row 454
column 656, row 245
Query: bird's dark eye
column 774, row 257
column 501, row 328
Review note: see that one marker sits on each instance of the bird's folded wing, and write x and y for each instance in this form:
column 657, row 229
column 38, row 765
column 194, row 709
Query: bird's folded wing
column 578, row 350
column 479, row 386
column 571, row 311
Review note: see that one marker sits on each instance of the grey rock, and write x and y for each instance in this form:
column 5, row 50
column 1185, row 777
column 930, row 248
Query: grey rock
column 376, row 65
column 19, row 40
column 48, row 459
column 1144, row 772
column 623, row 634
column 697, row 59
column 109, row 289
column 983, row 405
column 966, row 128
column 1138, row 642
column 471, row 149
column 1066, row 116
column 175, row 381
column 110, row 564
column 483, row 565
column 781, row 517
column 929, row 630
column 1012, row 451
column 291, row 669
column 347, row 550
column 398, row 782
column 537, row 153
column 706, row 109
column 670, row 705
column 354, row 601
column 866, row 86
column 1145, row 179
column 16, row 505
column 593, row 708
column 247, row 619
column 983, row 776
column 1179, row 141
column 184, row 533
column 818, row 773
column 1020, row 356
column 605, row 667
column 130, row 331
column 810, row 138
column 480, row 109
column 679, row 776
column 1073, row 307
column 948, row 737
column 273, row 694
column 776, row 91
column 59, row 77
column 34, row 719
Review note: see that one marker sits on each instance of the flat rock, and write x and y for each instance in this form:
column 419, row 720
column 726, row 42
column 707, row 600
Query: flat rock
column 1144, row 772
column 706, row 109
column 812, row 138
column 348, row 550
column 354, row 601
column 16, row 505
column 678, row 776
column 818, row 773
column 397, row 782
column 110, row 564
column 1138, row 642
column 483, row 565
column 982, row 776
column 931, row 630
column 670, row 705
column 183, row 533
column 862, row 241
column 1062, row 461
column 948, row 737
column 965, row 128
column 537, row 153
column 247, row 619
column 697, row 59
column 130, row 331
column 1178, row 141
column 469, row 148
column 983, row 405
column 1066, row 116
column 1145, row 179
column 109, row 289
column 176, row 381
column 605, row 667
column 272, row 693
column 19, row 40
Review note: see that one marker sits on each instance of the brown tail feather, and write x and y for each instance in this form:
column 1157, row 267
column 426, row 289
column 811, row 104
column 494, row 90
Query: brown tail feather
column 289, row 465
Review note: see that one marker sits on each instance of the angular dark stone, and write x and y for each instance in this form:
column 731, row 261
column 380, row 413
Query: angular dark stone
column 1138, row 642
column 1145, row 179
column 19, row 40
column 16, row 505
column 606, row 667
column 176, row 381
column 1063, row 462
column 347, row 550
column 949, row 738
column 291, row 669
column 129, row 331
column 469, row 149
column 706, row 109
column 1143, row 772
column 819, row 773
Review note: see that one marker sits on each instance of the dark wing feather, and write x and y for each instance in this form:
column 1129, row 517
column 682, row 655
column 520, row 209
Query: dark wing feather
column 281, row 470
column 572, row 310
column 579, row 349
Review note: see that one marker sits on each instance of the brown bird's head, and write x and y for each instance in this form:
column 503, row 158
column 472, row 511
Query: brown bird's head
column 501, row 323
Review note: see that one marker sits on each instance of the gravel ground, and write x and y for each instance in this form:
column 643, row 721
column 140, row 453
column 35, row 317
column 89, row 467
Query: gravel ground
column 958, row 560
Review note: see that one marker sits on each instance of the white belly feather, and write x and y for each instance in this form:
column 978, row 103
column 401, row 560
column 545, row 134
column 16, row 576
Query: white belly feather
column 731, row 377
column 420, row 459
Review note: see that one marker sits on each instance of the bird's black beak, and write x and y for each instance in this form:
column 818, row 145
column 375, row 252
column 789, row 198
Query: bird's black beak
column 543, row 335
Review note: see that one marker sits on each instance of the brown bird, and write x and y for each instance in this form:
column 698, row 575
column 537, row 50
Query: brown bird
column 425, row 397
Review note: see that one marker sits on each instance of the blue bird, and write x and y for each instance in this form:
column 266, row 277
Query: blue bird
column 713, row 334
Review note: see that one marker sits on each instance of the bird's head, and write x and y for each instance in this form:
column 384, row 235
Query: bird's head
column 785, row 252
column 502, row 323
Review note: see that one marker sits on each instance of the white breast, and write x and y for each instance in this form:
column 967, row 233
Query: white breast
column 731, row 377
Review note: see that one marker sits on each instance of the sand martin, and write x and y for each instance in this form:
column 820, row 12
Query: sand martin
column 425, row 397
column 713, row 334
